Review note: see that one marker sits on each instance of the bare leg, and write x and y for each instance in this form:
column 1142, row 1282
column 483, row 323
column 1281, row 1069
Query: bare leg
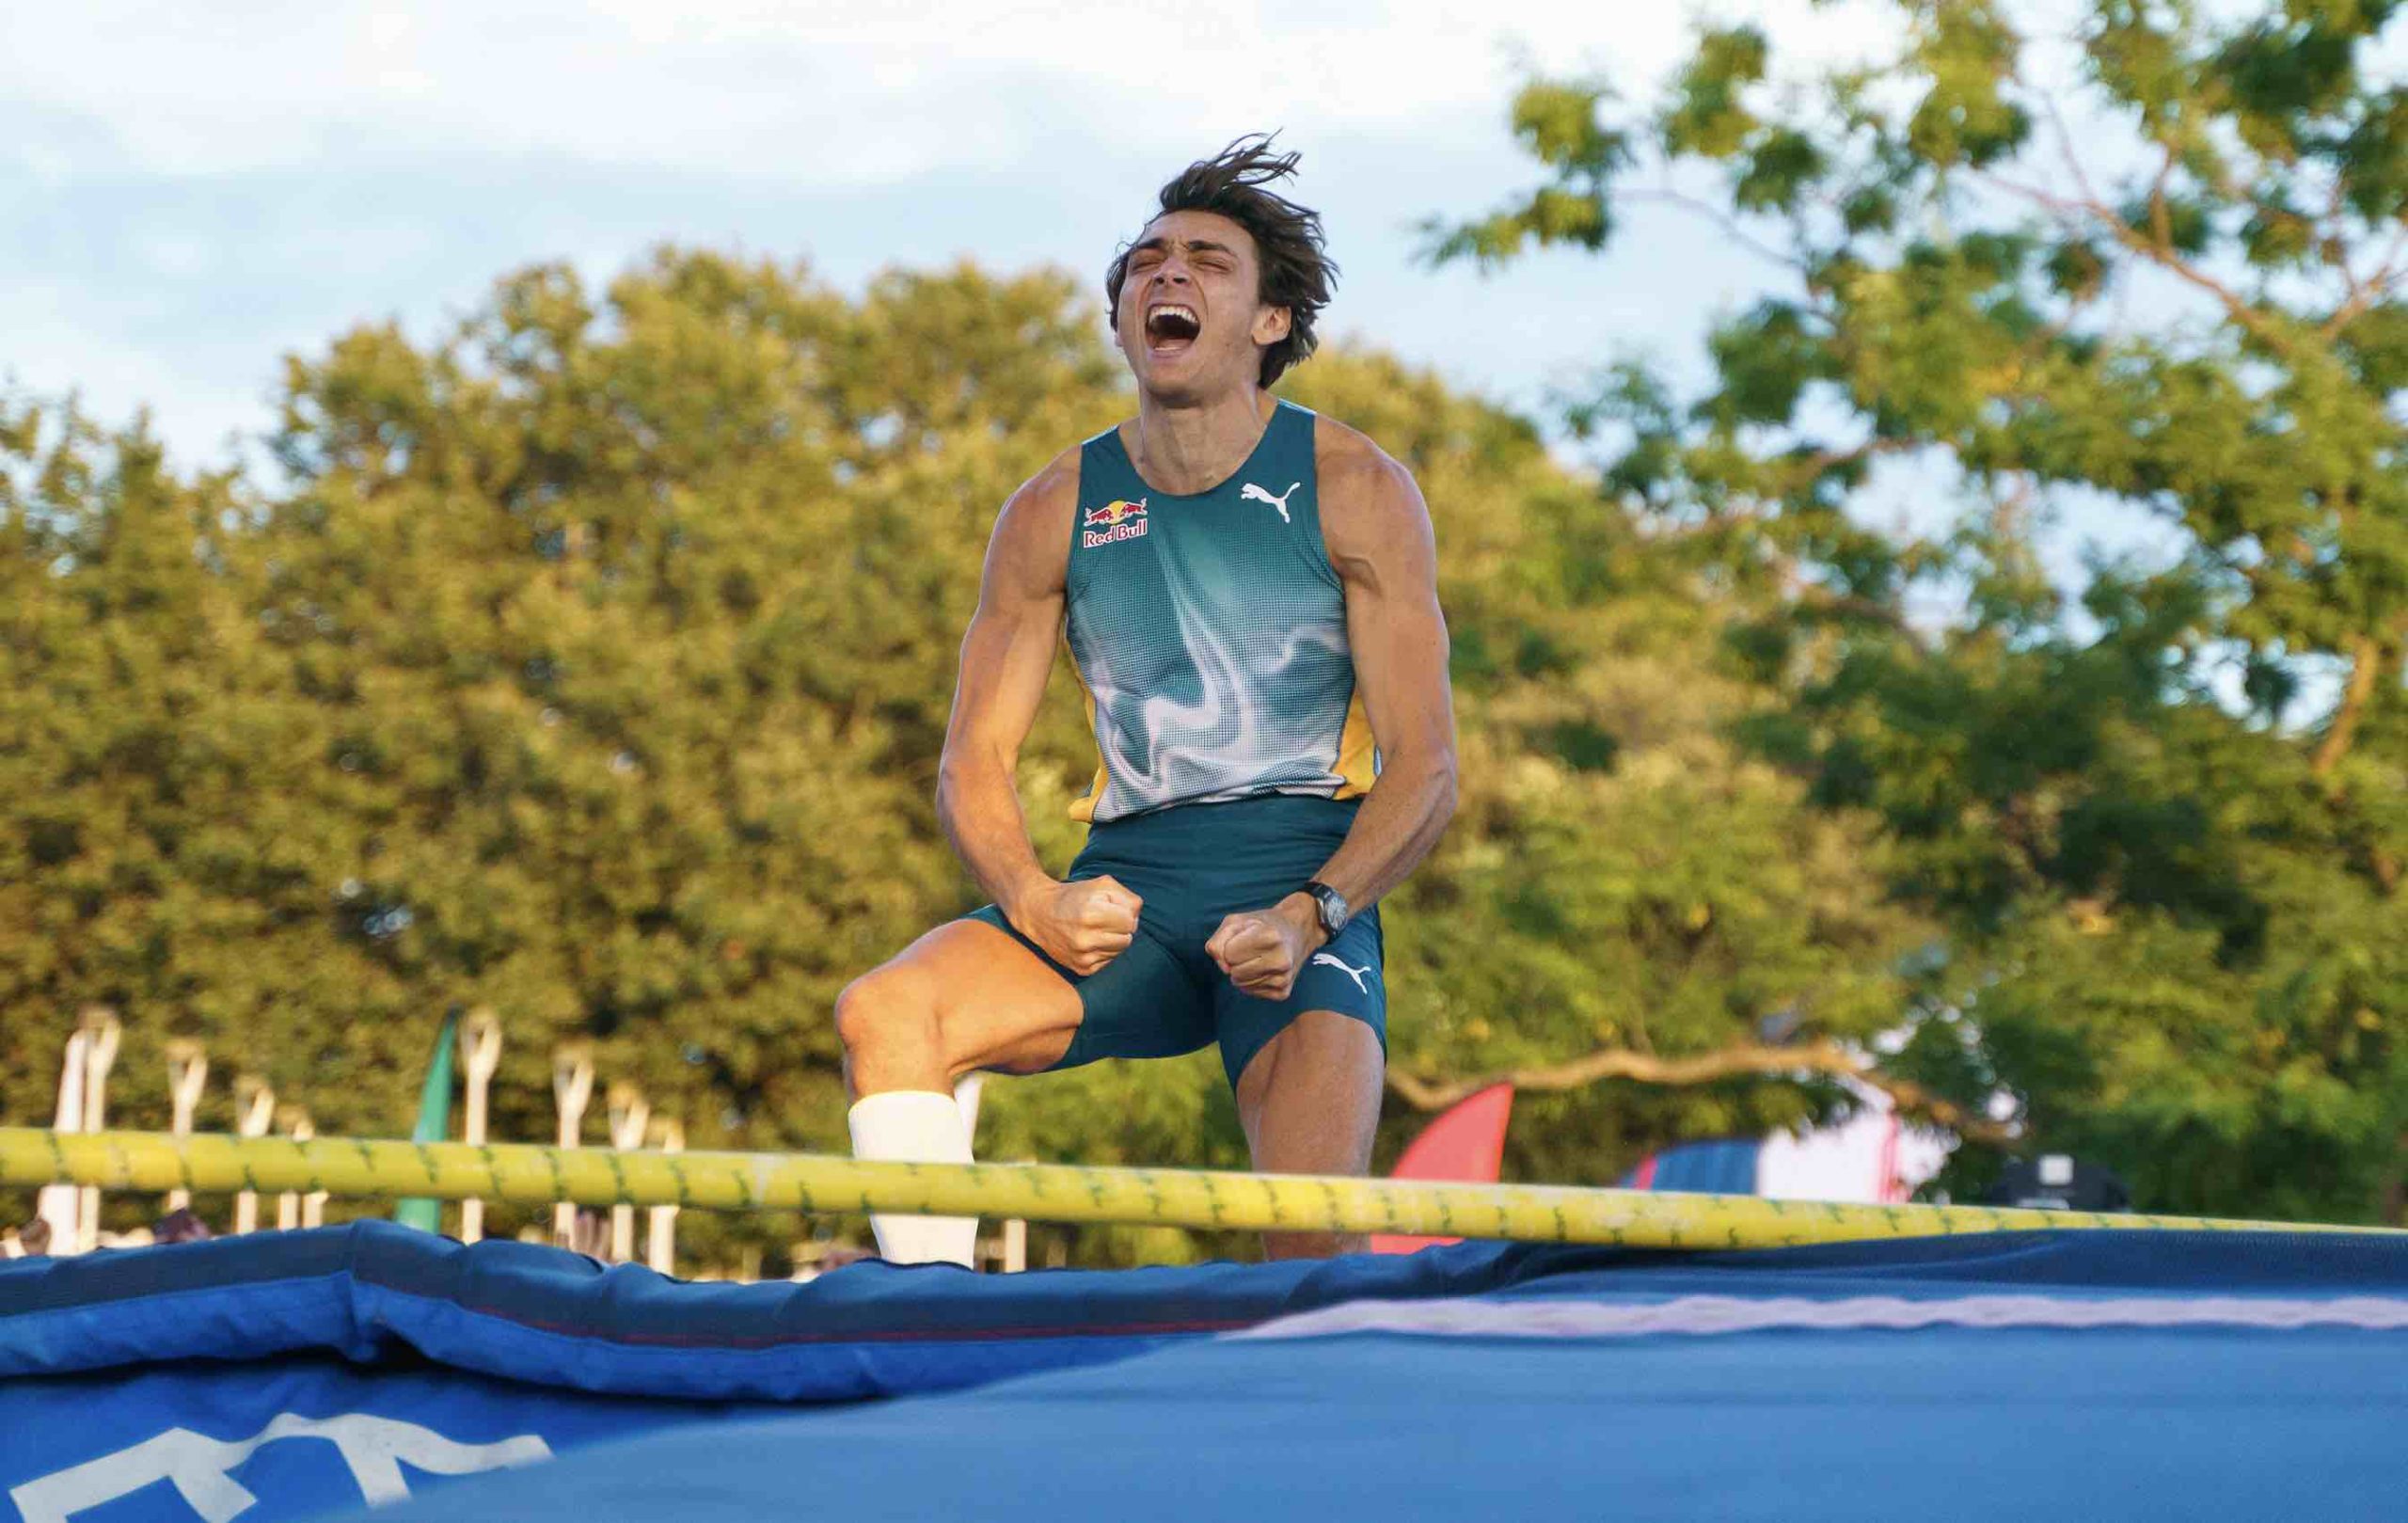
column 1309, row 1101
column 963, row 996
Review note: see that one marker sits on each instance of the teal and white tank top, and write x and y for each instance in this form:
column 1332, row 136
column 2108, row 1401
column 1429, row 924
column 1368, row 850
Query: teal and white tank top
column 1209, row 633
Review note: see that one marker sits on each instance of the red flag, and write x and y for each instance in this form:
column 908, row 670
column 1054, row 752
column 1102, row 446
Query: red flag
column 1467, row 1142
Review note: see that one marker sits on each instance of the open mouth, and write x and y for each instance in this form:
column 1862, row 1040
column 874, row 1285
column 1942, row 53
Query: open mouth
column 1171, row 327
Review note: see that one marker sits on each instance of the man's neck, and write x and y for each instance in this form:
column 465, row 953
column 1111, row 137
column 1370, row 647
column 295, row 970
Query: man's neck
column 1188, row 450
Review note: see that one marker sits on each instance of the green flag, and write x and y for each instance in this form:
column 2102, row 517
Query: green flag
column 433, row 1123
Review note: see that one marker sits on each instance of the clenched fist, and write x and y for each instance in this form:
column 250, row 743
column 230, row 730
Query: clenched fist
column 1263, row 950
column 1082, row 924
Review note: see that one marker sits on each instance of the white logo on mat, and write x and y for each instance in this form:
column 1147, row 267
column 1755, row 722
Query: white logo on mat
column 374, row 1447
column 1355, row 973
column 1251, row 493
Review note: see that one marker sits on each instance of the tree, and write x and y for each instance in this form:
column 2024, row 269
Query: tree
column 2160, row 263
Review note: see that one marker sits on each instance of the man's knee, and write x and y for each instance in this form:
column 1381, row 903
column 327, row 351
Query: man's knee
column 884, row 1007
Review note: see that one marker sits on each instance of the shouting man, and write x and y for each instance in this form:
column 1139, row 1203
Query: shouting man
column 1248, row 592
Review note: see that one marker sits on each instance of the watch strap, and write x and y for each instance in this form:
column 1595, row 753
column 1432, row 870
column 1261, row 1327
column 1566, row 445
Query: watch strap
column 1335, row 912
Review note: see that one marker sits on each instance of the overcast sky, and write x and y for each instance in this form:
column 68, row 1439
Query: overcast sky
column 189, row 192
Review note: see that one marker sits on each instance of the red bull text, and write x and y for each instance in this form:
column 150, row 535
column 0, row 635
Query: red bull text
column 1115, row 521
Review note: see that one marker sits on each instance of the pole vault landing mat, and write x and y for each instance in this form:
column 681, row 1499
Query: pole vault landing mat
column 2010, row 1375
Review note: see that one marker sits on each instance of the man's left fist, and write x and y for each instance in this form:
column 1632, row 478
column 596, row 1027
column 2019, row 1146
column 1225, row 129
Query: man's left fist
column 1263, row 950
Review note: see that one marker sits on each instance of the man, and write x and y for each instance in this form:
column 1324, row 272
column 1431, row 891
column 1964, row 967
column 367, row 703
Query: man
column 1248, row 593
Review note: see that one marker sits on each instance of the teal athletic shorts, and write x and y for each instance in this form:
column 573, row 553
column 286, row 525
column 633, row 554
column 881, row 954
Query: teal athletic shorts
column 1194, row 864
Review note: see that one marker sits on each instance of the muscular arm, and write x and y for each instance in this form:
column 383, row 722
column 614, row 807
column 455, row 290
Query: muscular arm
column 1006, row 657
column 1377, row 529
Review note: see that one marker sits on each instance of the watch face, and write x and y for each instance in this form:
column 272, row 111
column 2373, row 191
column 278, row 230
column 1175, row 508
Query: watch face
column 1333, row 910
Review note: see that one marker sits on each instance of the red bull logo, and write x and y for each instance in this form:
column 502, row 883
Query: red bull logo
column 1116, row 520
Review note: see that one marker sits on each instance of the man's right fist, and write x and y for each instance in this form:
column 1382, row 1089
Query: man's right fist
column 1082, row 924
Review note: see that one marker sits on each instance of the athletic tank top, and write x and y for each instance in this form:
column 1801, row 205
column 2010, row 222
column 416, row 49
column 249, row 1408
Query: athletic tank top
column 1209, row 634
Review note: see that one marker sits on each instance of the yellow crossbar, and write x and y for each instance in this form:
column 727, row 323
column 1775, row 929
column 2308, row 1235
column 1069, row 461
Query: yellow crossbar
column 814, row 1182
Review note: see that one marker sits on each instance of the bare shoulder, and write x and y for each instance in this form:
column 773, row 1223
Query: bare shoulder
column 1031, row 546
column 1045, row 499
column 1367, row 498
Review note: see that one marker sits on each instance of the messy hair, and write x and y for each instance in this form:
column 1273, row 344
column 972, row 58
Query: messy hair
column 1297, row 273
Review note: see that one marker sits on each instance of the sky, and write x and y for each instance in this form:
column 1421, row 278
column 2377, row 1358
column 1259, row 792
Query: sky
column 188, row 193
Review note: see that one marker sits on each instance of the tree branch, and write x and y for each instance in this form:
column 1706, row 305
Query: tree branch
column 1704, row 1067
column 1730, row 226
column 2374, row 288
column 2089, row 209
column 1818, row 598
column 2064, row 150
column 2366, row 668
column 2161, row 219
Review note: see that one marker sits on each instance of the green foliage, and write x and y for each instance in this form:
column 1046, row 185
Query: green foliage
column 1705, row 115
column 2174, row 911
column 1562, row 127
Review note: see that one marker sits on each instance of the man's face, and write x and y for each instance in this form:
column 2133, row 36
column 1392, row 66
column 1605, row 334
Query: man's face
column 1189, row 321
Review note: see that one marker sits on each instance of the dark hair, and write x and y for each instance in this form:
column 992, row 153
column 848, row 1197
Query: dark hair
column 1296, row 272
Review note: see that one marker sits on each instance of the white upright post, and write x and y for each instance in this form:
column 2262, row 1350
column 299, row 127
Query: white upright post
column 313, row 1205
column 187, row 1073
column 254, row 1109
column 660, row 1230
column 480, row 1042
column 57, row 1202
column 292, row 1210
column 571, row 1090
column 101, row 1032
column 629, row 1113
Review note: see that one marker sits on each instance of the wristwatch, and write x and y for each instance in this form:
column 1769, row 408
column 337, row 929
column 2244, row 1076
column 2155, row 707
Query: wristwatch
column 1334, row 912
